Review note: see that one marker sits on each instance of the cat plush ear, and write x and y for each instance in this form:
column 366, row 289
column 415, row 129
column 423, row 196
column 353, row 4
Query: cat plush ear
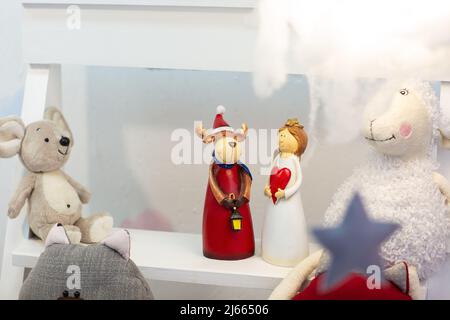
column 55, row 115
column 405, row 277
column 57, row 235
column 119, row 241
column 12, row 131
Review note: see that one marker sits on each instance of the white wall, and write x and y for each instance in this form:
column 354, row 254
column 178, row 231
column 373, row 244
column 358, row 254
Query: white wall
column 132, row 114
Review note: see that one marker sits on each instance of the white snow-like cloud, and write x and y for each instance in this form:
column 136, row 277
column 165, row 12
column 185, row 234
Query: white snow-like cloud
column 346, row 41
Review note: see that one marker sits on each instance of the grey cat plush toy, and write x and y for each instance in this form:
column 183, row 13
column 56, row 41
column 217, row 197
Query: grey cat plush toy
column 102, row 271
column 53, row 196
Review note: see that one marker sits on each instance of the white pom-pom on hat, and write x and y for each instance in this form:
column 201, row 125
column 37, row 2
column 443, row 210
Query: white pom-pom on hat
column 220, row 109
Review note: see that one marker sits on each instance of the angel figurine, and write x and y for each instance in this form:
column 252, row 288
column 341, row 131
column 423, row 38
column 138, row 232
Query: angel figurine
column 284, row 234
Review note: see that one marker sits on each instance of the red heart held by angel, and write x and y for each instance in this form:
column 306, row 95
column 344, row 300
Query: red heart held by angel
column 279, row 179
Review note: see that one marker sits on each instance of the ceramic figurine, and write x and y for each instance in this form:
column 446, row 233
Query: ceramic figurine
column 284, row 236
column 227, row 221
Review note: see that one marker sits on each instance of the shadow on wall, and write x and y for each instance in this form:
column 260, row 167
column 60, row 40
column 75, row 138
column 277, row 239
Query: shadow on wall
column 12, row 104
column 8, row 105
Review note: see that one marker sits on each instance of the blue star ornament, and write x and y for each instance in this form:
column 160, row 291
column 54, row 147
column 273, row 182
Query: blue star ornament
column 354, row 244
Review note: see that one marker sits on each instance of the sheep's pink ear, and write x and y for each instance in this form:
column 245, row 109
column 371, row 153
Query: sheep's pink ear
column 57, row 235
column 12, row 131
column 119, row 241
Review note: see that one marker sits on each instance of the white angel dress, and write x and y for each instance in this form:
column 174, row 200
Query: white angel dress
column 284, row 234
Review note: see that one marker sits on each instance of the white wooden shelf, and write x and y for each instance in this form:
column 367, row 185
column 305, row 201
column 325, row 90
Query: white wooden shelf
column 172, row 256
column 217, row 35
column 165, row 3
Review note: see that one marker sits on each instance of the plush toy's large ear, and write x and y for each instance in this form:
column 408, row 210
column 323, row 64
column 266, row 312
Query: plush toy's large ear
column 12, row 131
column 120, row 242
column 57, row 235
column 55, row 115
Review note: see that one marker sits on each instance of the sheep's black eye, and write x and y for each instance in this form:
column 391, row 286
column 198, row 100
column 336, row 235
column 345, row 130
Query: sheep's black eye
column 38, row 129
column 404, row 92
column 46, row 140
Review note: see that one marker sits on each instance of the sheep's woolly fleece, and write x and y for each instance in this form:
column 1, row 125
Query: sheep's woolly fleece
column 402, row 192
column 424, row 91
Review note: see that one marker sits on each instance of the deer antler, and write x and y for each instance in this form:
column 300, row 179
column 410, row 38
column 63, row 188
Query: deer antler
column 200, row 131
column 244, row 128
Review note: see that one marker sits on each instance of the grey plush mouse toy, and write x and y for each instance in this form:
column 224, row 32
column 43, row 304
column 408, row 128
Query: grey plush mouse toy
column 102, row 271
column 53, row 196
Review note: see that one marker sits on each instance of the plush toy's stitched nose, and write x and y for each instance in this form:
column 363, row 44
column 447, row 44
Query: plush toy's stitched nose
column 64, row 141
column 232, row 144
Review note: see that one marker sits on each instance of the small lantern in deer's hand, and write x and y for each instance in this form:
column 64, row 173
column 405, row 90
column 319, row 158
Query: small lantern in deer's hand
column 236, row 220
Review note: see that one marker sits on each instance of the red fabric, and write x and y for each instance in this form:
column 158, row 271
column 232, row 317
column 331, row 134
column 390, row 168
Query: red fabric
column 219, row 121
column 219, row 239
column 354, row 287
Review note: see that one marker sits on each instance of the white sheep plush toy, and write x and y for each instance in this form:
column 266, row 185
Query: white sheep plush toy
column 398, row 183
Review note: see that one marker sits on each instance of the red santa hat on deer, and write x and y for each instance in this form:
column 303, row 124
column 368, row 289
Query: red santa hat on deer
column 220, row 126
